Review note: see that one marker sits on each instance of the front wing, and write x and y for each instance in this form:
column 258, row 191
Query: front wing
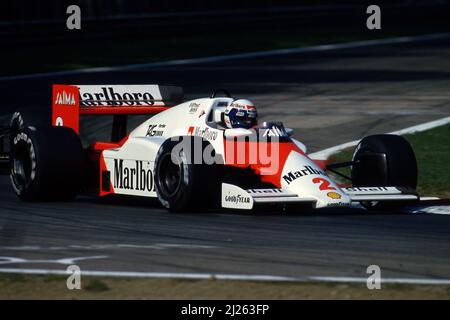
column 234, row 197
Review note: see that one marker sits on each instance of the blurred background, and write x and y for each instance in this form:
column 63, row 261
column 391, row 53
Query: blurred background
column 118, row 32
column 51, row 9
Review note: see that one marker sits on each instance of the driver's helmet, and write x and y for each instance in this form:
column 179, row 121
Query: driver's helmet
column 241, row 113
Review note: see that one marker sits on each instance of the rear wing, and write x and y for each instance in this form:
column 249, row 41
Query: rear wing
column 71, row 101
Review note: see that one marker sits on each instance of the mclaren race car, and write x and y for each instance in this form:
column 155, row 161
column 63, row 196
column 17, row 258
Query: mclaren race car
column 185, row 156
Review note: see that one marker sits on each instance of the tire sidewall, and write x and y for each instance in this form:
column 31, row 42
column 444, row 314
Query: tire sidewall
column 24, row 141
column 57, row 157
column 199, row 185
column 179, row 199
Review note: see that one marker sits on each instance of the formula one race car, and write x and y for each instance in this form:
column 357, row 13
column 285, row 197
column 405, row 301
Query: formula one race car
column 186, row 157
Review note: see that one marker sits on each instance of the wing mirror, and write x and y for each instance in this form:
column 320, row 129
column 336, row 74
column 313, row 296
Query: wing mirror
column 279, row 125
column 289, row 131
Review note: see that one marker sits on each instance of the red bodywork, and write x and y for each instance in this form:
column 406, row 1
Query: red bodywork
column 259, row 156
column 66, row 111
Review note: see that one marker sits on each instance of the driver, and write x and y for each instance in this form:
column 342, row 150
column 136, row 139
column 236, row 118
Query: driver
column 241, row 113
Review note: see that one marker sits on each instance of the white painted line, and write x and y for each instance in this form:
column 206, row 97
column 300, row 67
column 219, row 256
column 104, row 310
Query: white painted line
column 429, row 198
column 239, row 277
column 155, row 246
column 66, row 261
column 444, row 210
column 385, row 280
column 258, row 54
column 423, row 127
column 326, row 153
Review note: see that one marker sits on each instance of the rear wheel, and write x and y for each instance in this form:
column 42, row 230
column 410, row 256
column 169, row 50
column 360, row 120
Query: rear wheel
column 182, row 183
column 30, row 117
column 46, row 163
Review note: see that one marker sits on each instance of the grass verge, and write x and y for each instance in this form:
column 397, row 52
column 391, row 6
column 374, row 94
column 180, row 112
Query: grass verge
column 54, row 287
column 432, row 150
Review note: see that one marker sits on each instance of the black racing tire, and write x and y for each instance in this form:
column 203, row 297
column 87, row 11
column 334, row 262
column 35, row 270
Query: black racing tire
column 30, row 117
column 184, row 184
column 46, row 163
column 384, row 160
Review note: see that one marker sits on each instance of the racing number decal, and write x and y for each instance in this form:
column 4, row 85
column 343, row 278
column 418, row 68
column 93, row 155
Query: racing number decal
column 324, row 184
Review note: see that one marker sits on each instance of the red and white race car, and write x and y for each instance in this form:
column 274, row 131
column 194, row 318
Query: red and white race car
column 186, row 157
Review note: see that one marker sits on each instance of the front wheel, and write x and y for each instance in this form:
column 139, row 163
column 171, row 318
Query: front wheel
column 381, row 161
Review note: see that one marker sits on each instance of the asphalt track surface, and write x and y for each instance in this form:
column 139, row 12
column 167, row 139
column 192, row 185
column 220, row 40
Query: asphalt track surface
column 328, row 98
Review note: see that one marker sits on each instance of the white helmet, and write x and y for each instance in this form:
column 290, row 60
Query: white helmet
column 241, row 113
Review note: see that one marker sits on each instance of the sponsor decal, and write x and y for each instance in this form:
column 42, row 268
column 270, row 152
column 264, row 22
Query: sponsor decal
column 133, row 177
column 65, row 106
column 155, row 130
column 366, row 189
column 265, row 191
column 21, row 137
column 237, row 199
column 222, row 104
column 65, row 98
column 306, row 171
column 334, row 195
column 108, row 97
column 205, row 133
column 274, row 132
column 193, row 107
column 337, row 204
column 243, row 106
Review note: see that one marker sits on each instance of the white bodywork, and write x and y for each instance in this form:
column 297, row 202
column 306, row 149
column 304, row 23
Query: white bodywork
column 301, row 180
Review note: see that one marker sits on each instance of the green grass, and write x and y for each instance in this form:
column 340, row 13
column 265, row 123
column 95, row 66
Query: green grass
column 432, row 150
column 11, row 277
column 54, row 287
column 96, row 285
